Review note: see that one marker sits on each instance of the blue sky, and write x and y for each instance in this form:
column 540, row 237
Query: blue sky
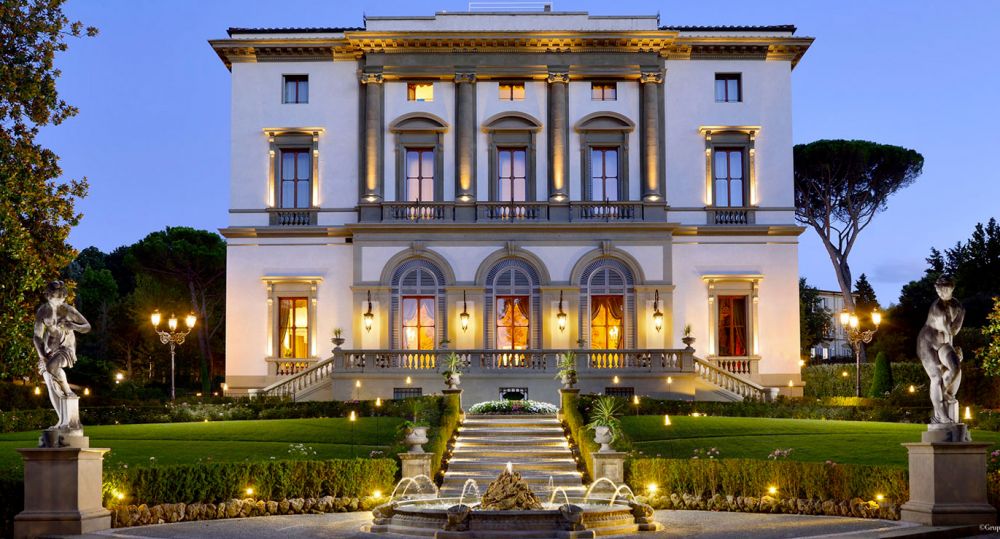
column 152, row 135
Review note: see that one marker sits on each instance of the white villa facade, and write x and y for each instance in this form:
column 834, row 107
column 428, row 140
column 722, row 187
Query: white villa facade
column 455, row 182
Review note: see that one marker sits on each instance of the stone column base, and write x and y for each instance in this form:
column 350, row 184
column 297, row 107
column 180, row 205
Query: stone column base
column 609, row 464
column 62, row 493
column 415, row 464
column 948, row 485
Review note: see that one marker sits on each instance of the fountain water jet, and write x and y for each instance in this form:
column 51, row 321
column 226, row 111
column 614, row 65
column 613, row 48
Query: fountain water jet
column 618, row 490
column 410, row 481
column 557, row 490
column 465, row 488
column 593, row 485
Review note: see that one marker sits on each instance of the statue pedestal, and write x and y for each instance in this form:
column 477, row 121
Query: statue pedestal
column 609, row 464
column 62, row 493
column 948, row 484
column 415, row 464
column 945, row 432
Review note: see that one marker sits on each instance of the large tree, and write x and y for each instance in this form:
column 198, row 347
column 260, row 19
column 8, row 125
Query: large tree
column 195, row 262
column 36, row 207
column 865, row 300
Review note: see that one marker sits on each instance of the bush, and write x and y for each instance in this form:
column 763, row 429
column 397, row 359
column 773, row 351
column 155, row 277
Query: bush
column 577, row 424
column 829, row 380
column 270, row 480
column 509, row 407
column 444, row 421
column 882, row 379
column 747, row 477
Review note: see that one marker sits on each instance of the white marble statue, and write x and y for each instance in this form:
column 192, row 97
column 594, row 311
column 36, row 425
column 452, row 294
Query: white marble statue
column 937, row 351
column 55, row 342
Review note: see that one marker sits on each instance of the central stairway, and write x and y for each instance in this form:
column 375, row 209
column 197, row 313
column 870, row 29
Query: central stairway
column 534, row 445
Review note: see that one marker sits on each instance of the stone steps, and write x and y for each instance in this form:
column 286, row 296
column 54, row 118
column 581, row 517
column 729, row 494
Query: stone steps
column 536, row 447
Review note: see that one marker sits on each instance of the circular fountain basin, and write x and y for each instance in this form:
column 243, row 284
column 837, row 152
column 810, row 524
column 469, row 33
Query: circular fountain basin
column 432, row 518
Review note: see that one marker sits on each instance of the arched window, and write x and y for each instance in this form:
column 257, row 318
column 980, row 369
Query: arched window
column 418, row 309
column 513, row 308
column 608, row 305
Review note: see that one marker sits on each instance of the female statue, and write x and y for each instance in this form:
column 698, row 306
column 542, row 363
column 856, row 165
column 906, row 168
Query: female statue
column 55, row 342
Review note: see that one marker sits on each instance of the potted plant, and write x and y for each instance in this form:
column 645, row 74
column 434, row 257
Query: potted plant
column 688, row 340
column 452, row 370
column 338, row 338
column 604, row 422
column 416, row 428
column 566, row 363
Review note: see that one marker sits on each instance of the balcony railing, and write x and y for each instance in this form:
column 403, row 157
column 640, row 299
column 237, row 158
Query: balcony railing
column 418, row 211
column 606, row 211
column 730, row 216
column 480, row 361
column 512, row 212
column 743, row 366
column 292, row 216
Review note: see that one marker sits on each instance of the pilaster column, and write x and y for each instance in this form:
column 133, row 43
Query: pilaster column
column 374, row 165
column 558, row 136
column 465, row 137
column 650, row 135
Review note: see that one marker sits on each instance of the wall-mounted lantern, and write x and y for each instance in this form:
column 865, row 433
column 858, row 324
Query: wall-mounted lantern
column 369, row 316
column 657, row 314
column 561, row 315
column 465, row 312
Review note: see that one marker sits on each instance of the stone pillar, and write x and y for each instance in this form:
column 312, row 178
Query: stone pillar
column 374, row 166
column 62, row 492
column 558, row 137
column 415, row 464
column 610, row 464
column 948, row 484
column 650, row 135
column 465, row 144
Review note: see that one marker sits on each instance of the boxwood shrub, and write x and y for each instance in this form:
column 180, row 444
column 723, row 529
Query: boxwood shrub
column 270, row 480
column 747, row 477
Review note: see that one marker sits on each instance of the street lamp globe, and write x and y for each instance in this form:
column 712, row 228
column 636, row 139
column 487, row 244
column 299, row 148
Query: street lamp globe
column 172, row 322
column 155, row 318
column 876, row 317
column 190, row 320
column 845, row 317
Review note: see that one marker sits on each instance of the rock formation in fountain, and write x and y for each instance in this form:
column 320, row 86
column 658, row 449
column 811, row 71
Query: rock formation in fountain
column 509, row 492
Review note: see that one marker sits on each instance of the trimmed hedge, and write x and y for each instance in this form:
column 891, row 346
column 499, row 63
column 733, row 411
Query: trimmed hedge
column 270, row 480
column 747, row 477
column 574, row 419
column 829, row 381
column 11, row 500
column 449, row 416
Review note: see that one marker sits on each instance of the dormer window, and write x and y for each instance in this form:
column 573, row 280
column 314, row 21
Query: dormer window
column 420, row 91
column 604, row 91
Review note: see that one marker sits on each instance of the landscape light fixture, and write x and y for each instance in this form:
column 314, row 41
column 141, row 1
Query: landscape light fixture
column 369, row 316
column 561, row 315
column 858, row 336
column 465, row 313
column 657, row 314
column 173, row 337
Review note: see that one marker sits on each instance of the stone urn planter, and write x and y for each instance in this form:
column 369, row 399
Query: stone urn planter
column 415, row 438
column 602, row 435
column 688, row 341
column 453, row 379
column 568, row 380
column 338, row 342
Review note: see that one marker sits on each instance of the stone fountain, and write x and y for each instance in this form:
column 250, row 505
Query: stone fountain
column 510, row 507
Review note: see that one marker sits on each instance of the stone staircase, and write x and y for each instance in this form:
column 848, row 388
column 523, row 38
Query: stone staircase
column 534, row 445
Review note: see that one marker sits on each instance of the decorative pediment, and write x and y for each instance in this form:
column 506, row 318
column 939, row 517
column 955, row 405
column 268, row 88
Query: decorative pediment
column 418, row 121
column 512, row 121
column 605, row 121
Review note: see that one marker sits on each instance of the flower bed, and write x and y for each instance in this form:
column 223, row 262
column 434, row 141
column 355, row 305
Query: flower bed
column 508, row 407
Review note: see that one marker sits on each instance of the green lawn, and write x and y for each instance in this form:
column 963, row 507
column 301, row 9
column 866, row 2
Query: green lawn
column 222, row 441
column 858, row 442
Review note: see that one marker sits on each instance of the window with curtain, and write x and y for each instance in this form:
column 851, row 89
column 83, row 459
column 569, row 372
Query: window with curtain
column 732, row 325
column 512, row 322
column 604, row 173
column 603, row 91
column 512, row 172
column 728, row 174
column 418, row 322
column 293, row 327
column 296, row 169
column 419, row 174
column 296, row 89
column 607, row 316
column 420, row 91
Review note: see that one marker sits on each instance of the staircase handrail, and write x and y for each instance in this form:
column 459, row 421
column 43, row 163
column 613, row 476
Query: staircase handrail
column 744, row 387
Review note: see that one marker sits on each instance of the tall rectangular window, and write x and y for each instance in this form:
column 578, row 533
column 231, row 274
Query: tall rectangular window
column 511, row 91
column 732, row 325
column 418, row 322
column 293, row 327
column 728, row 88
column 603, row 173
column 512, row 171
column 603, row 91
column 728, row 177
column 420, row 91
column 296, row 171
column 419, row 174
column 607, row 316
column 512, row 322
column 296, row 89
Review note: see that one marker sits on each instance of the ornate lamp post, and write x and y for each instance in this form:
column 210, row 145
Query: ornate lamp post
column 856, row 336
column 172, row 337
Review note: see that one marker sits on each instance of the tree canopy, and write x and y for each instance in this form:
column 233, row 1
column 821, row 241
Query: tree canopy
column 814, row 319
column 37, row 208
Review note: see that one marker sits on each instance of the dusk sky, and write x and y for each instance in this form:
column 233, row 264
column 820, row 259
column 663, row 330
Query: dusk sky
column 152, row 135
